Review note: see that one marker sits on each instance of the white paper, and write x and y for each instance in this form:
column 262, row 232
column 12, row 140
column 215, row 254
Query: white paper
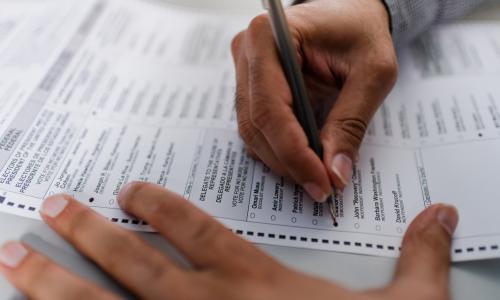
column 127, row 90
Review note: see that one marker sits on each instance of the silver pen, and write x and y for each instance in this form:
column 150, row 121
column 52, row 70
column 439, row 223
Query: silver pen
column 293, row 72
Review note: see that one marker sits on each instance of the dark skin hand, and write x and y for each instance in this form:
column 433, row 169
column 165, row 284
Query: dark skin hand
column 349, row 63
column 345, row 49
column 224, row 265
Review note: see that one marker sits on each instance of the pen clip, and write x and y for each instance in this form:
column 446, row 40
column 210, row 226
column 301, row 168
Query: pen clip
column 265, row 4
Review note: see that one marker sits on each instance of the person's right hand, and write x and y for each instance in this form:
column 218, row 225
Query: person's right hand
column 345, row 48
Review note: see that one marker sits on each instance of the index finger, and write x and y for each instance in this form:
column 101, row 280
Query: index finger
column 126, row 257
column 205, row 242
column 272, row 112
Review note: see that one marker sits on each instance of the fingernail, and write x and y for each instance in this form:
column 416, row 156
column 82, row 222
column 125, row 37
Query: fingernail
column 53, row 206
column 124, row 192
column 342, row 167
column 12, row 254
column 315, row 192
column 448, row 217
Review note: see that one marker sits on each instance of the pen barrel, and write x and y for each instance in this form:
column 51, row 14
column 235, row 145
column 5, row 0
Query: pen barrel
column 305, row 116
column 293, row 72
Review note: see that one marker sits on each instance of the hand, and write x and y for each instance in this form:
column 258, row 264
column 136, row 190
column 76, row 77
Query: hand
column 345, row 48
column 224, row 265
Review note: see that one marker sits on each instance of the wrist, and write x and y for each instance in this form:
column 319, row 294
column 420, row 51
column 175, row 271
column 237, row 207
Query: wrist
column 386, row 12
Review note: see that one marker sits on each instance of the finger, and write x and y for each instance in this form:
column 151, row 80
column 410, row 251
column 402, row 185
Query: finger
column 364, row 90
column 425, row 255
column 252, row 137
column 204, row 241
column 237, row 47
column 272, row 114
column 39, row 278
column 121, row 253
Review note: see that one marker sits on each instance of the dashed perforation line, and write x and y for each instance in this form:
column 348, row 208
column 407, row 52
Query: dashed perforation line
column 16, row 205
column 302, row 239
column 128, row 221
column 349, row 243
column 259, row 234
column 481, row 248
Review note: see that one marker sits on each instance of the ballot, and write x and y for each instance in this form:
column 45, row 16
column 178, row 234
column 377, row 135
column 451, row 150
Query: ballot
column 95, row 94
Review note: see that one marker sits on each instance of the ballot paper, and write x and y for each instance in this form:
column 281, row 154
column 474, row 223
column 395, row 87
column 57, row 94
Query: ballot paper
column 95, row 94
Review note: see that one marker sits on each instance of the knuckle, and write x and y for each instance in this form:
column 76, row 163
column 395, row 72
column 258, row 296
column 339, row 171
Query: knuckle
column 206, row 231
column 78, row 222
column 257, row 24
column 261, row 117
column 170, row 211
column 353, row 129
column 386, row 69
column 430, row 238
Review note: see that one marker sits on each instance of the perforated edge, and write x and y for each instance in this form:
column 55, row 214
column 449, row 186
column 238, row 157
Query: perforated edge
column 13, row 204
column 275, row 236
column 305, row 239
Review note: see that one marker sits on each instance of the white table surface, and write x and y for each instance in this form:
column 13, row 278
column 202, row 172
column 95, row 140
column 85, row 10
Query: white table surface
column 469, row 280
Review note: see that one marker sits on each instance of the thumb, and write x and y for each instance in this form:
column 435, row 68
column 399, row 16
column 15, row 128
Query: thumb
column 345, row 127
column 425, row 257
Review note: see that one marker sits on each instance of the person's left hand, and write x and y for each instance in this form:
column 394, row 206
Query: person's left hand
column 224, row 265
